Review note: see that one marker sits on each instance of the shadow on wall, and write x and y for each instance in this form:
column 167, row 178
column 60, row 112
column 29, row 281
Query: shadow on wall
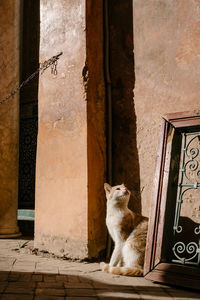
column 125, row 154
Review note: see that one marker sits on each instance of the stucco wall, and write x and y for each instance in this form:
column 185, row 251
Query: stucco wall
column 166, row 49
column 9, row 116
column 70, row 206
column 61, row 173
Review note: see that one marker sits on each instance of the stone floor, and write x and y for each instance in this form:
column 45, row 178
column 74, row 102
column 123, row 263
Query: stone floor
column 26, row 276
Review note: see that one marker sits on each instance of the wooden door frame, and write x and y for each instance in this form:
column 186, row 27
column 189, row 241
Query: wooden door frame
column 155, row 269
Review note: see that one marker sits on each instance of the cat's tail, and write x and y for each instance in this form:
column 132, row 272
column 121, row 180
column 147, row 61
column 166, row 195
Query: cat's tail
column 125, row 271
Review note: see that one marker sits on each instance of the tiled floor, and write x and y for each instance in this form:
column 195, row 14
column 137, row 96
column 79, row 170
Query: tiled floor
column 25, row 276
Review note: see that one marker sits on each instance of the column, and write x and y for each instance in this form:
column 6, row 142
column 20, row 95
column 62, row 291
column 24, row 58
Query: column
column 9, row 117
column 70, row 172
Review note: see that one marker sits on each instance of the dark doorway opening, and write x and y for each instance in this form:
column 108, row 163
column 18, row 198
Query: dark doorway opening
column 29, row 62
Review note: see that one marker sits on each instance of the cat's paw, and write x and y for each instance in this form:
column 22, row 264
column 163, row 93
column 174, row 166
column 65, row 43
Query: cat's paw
column 104, row 267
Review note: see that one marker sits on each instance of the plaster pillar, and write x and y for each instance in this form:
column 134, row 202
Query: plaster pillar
column 70, row 167
column 9, row 117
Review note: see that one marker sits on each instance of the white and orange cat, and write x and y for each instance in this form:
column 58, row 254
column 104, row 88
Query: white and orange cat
column 128, row 231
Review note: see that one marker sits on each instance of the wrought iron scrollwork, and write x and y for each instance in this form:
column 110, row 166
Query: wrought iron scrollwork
column 180, row 248
column 189, row 179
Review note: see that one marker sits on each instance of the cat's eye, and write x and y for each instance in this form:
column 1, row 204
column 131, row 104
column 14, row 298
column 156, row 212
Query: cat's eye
column 118, row 189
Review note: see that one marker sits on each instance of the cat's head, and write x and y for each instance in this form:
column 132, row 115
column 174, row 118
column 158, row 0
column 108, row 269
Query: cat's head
column 118, row 193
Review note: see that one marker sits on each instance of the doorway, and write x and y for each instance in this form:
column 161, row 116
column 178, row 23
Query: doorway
column 29, row 62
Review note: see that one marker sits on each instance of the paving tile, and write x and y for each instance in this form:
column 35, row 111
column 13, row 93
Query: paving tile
column 3, row 285
column 16, row 297
column 49, row 297
column 183, row 294
column 46, row 268
column 21, row 284
column 117, row 295
column 66, row 280
column 9, row 260
column 62, row 278
column 69, row 272
column 19, row 290
column 50, row 284
column 49, row 278
column 112, row 287
column 5, row 267
column 85, row 279
column 149, row 289
column 4, row 276
column 154, row 297
column 83, row 298
column 24, row 267
column 73, row 278
column 13, row 276
column 37, row 277
column 80, row 292
column 26, row 262
column 78, row 285
column 185, row 298
column 152, row 293
column 25, row 277
column 46, row 271
column 100, row 285
column 50, row 292
column 28, row 258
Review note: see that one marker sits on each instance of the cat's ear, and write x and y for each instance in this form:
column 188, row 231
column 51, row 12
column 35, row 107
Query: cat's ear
column 107, row 188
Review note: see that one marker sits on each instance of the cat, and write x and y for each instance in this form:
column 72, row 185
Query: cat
column 128, row 231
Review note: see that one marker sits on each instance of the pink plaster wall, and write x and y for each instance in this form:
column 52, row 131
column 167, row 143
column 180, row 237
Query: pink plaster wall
column 71, row 159
column 71, row 141
column 167, row 74
column 61, row 174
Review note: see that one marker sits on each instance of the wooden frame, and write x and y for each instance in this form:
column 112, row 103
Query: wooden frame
column 156, row 267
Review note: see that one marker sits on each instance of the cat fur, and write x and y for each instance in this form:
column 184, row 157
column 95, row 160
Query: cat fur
column 128, row 231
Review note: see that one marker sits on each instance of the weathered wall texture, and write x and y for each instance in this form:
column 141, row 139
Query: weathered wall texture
column 61, row 174
column 9, row 117
column 167, row 73
column 67, row 206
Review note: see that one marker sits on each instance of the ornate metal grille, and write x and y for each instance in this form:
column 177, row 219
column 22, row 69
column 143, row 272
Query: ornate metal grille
column 186, row 228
